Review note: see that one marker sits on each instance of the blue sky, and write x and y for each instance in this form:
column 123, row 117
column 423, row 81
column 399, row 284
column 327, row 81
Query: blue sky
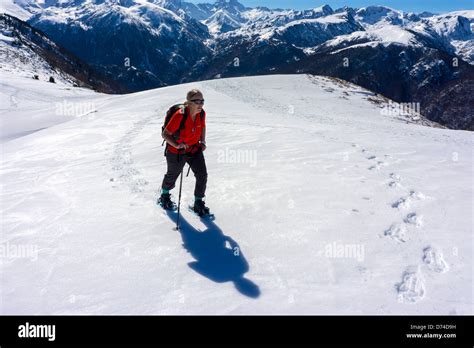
column 436, row 6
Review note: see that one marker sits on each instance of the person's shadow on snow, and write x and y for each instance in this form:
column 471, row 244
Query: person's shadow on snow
column 218, row 257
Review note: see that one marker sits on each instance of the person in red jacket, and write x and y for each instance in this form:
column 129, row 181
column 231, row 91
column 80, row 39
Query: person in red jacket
column 188, row 148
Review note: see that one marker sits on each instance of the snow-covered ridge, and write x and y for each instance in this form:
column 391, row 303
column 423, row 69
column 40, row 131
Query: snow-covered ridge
column 335, row 18
column 182, row 42
column 27, row 52
column 14, row 9
column 220, row 22
column 21, row 60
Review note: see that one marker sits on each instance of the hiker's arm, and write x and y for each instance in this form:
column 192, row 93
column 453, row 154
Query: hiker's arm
column 170, row 140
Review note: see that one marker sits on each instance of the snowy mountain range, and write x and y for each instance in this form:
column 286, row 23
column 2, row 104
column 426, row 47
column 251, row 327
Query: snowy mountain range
column 143, row 44
column 25, row 51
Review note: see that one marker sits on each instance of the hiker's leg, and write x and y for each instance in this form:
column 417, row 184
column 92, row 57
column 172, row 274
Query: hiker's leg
column 175, row 166
column 198, row 166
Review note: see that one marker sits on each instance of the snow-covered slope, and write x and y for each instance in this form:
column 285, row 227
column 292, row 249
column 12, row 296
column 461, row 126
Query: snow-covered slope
column 29, row 105
column 380, row 15
column 309, row 32
column 457, row 29
column 14, row 9
column 27, row 52
column 221, row 22
column 324, row 204
column 20, row 59
column 451, row 30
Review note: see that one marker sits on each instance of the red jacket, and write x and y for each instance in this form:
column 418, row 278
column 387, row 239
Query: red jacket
column 190, row 134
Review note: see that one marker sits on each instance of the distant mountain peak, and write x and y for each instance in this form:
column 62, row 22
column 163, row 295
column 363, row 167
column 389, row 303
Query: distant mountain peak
column 234, row 5
column 324, row 8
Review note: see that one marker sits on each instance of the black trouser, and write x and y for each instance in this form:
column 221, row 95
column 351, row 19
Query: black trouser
column 175, row 166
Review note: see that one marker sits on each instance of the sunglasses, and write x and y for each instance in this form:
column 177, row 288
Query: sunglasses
column 198, row 101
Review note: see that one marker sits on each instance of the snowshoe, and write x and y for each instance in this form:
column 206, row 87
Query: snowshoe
column 166, row 203
column 199, row 208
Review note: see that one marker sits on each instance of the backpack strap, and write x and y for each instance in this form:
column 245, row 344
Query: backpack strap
column 183, row 120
